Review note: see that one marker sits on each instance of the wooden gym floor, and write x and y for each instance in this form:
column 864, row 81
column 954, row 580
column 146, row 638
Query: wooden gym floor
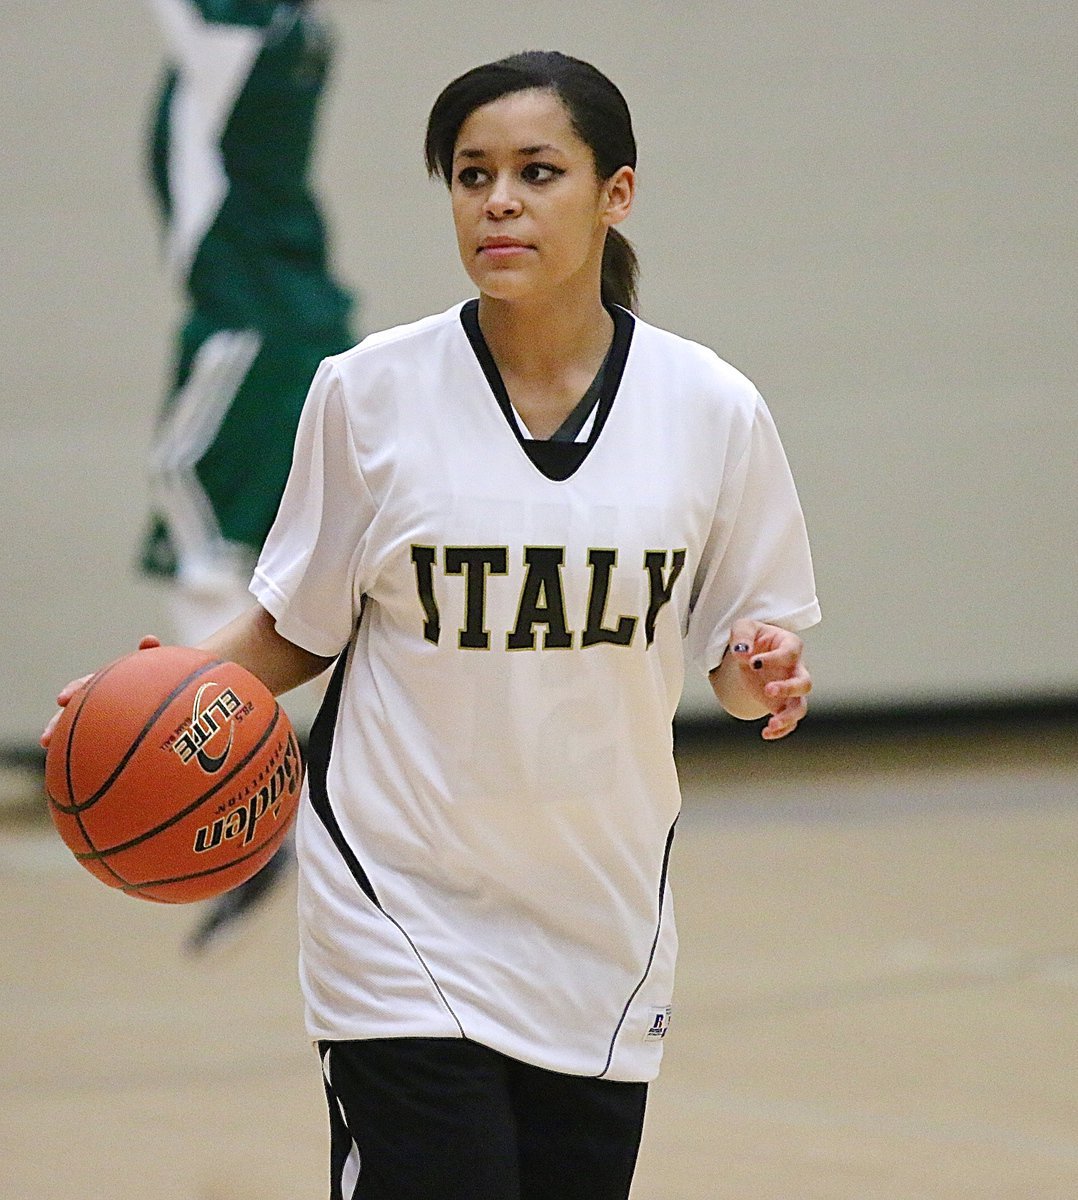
column 878, row 995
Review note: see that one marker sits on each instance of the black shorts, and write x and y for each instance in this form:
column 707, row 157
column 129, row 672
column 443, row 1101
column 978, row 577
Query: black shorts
column 448, row 1119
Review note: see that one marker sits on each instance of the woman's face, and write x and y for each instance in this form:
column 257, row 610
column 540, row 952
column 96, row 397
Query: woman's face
column 530, row 214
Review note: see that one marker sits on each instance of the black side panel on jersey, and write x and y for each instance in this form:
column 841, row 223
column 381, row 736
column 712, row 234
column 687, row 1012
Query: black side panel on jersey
column 556, row 460
column 319, row 750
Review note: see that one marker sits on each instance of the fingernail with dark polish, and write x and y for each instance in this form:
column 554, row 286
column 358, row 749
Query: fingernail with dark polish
column 757, row 664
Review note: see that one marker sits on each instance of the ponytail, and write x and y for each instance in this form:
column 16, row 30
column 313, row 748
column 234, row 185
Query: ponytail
column 620, row 271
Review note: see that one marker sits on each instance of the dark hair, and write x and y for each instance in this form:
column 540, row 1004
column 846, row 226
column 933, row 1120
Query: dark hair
column 598, row 113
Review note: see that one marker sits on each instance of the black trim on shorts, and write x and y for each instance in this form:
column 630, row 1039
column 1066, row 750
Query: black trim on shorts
column 450, row 1119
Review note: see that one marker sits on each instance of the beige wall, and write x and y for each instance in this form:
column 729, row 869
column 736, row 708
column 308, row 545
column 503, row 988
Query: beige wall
column 869, row 210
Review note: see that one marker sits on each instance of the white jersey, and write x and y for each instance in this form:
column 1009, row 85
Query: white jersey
column 491, row 786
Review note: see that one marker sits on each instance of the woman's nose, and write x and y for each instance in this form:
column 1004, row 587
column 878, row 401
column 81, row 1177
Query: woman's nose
column 502, row 200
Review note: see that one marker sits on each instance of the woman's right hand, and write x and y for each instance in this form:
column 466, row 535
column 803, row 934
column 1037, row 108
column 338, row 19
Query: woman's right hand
column 68, row 690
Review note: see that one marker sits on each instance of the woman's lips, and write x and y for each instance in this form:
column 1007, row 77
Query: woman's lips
column 503, row 248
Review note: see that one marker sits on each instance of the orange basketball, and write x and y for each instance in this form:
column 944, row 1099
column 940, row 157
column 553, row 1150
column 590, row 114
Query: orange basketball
column 173, row 775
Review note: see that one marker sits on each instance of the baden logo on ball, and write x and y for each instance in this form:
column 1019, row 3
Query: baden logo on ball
column 242, row 821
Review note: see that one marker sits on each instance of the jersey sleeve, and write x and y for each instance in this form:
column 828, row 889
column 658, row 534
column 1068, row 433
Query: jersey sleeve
column 756, row 562
column 308, row 576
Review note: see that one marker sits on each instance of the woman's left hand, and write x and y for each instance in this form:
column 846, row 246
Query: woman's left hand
column 763, row 672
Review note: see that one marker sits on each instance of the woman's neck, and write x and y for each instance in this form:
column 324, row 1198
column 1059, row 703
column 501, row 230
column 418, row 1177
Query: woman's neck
column 544, row 342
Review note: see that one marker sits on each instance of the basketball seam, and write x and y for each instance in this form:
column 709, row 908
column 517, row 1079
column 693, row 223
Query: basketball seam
column 73, row 810
column 76, row 810
column 98, row 853
column 139, row 890
column 77, row 807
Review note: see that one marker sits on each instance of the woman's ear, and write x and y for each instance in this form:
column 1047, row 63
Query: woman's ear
column 617, row 194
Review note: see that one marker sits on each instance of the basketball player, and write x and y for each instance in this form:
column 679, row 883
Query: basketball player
column 231, row 150
column 504, row 522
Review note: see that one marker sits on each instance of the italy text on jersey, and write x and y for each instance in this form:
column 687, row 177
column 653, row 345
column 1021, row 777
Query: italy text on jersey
column 542, row 597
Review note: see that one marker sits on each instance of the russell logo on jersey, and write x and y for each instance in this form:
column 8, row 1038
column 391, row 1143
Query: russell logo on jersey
column 660, row 1023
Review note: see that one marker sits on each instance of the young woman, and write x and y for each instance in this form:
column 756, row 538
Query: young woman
column 503, row 522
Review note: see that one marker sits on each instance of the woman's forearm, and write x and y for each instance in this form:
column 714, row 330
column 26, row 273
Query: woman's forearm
column 252, row 641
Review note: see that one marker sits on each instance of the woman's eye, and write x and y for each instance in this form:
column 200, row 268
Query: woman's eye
column 469, row 177
column 540, row 172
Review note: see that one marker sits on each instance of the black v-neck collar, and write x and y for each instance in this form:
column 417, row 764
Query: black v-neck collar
column 556, row 460
column 569, row 429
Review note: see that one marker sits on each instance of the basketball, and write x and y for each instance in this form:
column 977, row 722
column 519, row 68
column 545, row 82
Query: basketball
column 173, row 775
